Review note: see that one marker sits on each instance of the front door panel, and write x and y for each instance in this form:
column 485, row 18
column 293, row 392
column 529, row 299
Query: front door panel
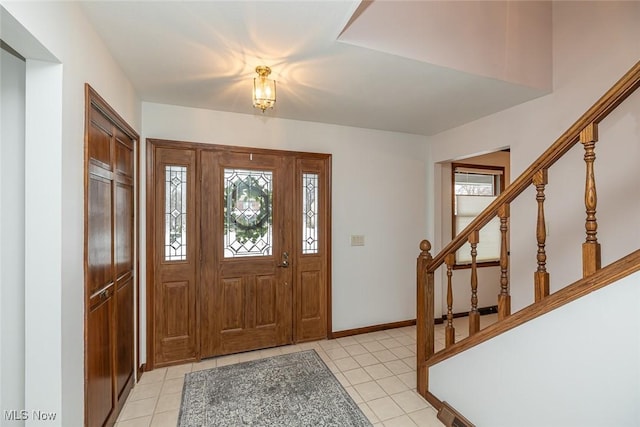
column 246, row 283
column 175, row 275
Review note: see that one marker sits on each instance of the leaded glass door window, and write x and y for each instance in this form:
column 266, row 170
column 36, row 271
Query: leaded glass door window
column 310, row 206
column 175, row 213
column 248, row 213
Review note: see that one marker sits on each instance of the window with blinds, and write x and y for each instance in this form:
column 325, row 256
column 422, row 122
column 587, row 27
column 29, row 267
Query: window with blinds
column 474, row 188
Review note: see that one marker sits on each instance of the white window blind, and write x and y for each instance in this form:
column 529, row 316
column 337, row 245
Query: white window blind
column 467, row 208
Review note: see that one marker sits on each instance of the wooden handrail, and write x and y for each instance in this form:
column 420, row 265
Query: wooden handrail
column 603, row 277
column 601, row 109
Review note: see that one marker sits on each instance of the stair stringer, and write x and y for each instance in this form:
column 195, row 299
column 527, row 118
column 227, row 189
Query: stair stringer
column 578, row 365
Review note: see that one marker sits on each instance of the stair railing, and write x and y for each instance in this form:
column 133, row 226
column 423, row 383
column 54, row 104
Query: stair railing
column 585, row 131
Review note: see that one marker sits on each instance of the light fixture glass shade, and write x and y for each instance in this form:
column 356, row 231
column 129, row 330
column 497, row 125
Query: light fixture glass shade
column 264, row 89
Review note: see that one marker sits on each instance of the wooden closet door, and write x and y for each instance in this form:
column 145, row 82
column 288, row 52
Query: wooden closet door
column 123, row 212
column 100, row 272
column 109, row 263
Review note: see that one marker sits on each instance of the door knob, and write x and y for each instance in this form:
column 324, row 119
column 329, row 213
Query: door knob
column 285, row 260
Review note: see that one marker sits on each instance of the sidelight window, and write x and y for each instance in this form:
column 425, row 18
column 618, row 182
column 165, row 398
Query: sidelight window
column 310, row 213
column 175, row 213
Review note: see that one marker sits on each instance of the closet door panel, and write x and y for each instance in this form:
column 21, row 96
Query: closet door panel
column 99, row 363
column 110, row 264
column 124, row 335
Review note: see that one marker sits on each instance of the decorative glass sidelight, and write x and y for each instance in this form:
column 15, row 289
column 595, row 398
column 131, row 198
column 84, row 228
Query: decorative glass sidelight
column 309, row 213
column 175, row 213
column 248, row 219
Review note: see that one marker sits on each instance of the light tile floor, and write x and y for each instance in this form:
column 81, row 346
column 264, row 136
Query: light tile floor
column 377, row 369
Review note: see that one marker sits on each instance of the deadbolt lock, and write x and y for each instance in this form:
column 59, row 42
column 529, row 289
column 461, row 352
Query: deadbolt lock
column 285, row 260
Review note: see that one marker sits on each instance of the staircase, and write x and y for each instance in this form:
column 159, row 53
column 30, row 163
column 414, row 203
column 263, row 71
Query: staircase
column 594, row 275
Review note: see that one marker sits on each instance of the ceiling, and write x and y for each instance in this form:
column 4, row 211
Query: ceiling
column 418, row 67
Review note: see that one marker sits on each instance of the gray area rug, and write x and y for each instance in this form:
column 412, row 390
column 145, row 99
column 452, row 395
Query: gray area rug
column 295, row 390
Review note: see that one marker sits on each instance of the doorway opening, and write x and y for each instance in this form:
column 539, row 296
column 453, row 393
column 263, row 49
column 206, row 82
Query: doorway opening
column 486, row 173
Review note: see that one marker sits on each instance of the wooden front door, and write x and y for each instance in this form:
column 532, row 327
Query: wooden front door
column 239, row 247
column 246, row 242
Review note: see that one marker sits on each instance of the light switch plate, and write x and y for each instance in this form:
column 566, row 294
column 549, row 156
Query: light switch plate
column 357, row 240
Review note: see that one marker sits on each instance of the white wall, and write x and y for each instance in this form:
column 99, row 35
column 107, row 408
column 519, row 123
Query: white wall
column 54, row 314
column 594, row 44
column 378, row 191
column 12, row 164
column 576, row 366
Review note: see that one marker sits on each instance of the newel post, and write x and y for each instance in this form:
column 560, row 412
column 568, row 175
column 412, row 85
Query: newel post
column 424, row 315
column 591, row 247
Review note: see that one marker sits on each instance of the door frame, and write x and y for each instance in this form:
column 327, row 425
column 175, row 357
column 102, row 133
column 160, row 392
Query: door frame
column 154, row 143
column 92, row 98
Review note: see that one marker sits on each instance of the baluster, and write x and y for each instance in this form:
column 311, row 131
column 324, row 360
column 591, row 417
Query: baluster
column 591, row 247
column 474, row 315
column 424, row 316
column 450, row 331
column 504, row 299
column 541, row 277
